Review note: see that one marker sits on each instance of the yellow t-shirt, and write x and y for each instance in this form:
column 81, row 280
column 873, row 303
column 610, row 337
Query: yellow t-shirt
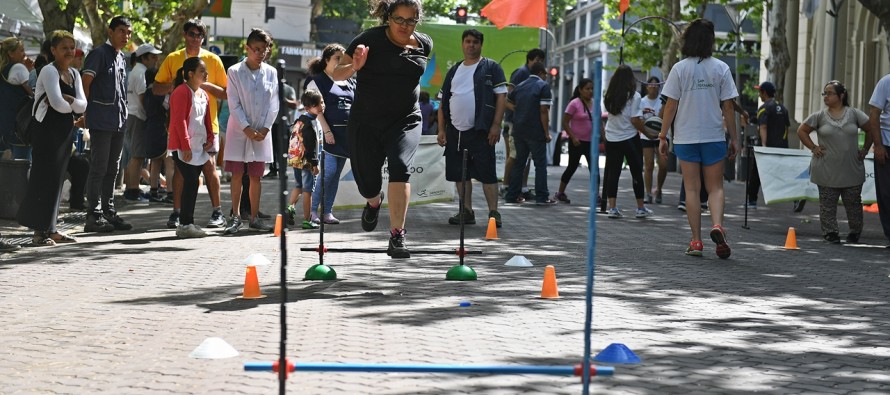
column 216, row 74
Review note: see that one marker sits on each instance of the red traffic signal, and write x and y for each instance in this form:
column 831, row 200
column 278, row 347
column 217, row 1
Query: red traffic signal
column 460, row 14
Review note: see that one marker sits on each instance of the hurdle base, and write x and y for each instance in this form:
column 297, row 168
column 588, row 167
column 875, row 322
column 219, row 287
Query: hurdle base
column 320, row 273
column 461, row 273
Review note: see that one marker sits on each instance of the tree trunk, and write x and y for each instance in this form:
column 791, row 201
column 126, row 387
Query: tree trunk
column 55, row 18
column 98, row 27
column 317, row 9
column 670, row 57
column 881, row 9
column 779, row 58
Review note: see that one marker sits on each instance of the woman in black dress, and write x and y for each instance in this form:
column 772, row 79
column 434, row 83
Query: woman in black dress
column 59, row 96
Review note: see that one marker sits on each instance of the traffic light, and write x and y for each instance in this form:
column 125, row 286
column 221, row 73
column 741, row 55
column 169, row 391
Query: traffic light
column 460, row 14
column 554, row 72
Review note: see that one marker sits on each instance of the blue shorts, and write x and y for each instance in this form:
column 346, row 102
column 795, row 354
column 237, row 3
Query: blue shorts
column 705, row 153
column 304, row 180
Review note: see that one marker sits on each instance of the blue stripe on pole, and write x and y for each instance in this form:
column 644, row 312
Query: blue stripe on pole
column 430, row 368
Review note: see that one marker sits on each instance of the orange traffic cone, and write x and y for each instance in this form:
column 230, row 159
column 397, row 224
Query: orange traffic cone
column 548, row 290
column 873, row 208
column 791, row 240
column 278, row 224
column 492, row 232
column 251, row 285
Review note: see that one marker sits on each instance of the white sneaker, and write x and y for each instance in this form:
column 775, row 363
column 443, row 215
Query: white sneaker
column 643, row 212
column 189, row 232
column 614, row 213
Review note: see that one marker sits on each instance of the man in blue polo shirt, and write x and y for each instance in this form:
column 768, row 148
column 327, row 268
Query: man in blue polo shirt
column 530, row 102
column 105, row 86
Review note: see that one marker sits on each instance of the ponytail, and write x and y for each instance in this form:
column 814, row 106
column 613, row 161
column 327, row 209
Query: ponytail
column 180, row 78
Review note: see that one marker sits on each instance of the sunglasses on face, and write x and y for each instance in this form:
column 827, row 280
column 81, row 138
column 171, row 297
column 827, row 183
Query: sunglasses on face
column 404, row 22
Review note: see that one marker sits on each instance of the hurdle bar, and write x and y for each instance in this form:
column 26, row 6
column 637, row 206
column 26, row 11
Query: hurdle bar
column 429, row 368
column 383, row 251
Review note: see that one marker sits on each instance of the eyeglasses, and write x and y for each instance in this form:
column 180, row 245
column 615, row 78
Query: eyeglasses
column 195, row 35
column 262, row 52
column 828, row 94
column 404, row 22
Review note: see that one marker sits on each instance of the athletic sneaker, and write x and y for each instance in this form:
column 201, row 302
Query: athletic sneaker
column 314, row 218
column 369, row 215
column 497, row 218
column 307, row 224
column 718, row 235
column 562, row 198
column 682, row 206
column 548, row 202
column 695, row 248
column 97, row 223
column 648, row 199
column 469, row 217
column 291, row 212
column 217, row 220
column 853, row 238
column 8, row 247
column 260, row 225
column 397, row 248
column 189, row 231
column 658, row 197
column 330, row 219
column 116, row 221
column 751, row 205
column 173, row 221
column 614, row 213
column 528, row 195
column 643, row 212
column 234, row 225
column 832, row 237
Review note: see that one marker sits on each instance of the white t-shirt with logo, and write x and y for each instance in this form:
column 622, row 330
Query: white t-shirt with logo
column 700, row 85
column 619, row 127
column 463, row 97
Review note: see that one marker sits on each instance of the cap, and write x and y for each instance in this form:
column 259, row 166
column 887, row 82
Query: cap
column 78, row 53
column 767, row 87
column 147, row 48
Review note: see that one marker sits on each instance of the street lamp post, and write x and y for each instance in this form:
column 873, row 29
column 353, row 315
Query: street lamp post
column 737, row 17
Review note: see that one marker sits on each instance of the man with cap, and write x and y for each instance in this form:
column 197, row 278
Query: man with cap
column 77, row 63
column 146, row 57
column 773, row 121
column 105, row 87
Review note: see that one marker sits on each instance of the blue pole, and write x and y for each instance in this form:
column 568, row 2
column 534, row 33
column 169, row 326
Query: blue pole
column 429, row 368
column 591, row 215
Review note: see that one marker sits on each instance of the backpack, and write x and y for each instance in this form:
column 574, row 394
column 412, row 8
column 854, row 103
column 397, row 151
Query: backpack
column 25, row 121
column 295, row 148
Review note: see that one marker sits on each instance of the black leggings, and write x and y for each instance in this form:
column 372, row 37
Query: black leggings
column 190, row 176
column 575, row 159
column 616, row 152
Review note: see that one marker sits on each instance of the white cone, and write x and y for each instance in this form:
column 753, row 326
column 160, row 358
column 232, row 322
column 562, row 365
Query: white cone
column 256, row 259
column 214, row 348
column 519, row 261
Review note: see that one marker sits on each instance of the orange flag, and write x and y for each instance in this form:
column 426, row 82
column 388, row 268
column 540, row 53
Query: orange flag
column 531, row 13
column 623, row 6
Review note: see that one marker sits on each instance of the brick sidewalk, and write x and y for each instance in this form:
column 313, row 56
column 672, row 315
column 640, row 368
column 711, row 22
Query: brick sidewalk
column 119, row 313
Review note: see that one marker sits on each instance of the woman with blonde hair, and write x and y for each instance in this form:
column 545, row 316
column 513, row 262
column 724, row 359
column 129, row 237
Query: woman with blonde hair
column 15, row 67
column 61, row 86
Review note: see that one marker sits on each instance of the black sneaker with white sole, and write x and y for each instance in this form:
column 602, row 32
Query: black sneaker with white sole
column 97, row 223
column 397, row 248
column 370, row 214
column 116, row 221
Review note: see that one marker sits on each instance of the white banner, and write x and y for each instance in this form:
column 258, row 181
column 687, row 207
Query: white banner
column 785, row 175
column 427, row 178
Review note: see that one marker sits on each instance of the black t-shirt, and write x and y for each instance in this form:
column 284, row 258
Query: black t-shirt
column 775, row 117
column 388, row 84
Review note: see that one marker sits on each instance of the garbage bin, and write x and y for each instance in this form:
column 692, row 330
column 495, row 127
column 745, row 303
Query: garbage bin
column 13, row 181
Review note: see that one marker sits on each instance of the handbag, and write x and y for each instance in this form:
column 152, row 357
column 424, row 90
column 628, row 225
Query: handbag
column 25, row 122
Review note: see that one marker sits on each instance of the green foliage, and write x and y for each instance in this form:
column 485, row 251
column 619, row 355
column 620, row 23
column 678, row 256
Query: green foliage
column 645, row 43
column 151, row 18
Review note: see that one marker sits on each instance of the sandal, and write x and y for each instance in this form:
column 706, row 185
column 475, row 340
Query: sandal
column 61, row 238
column 42, row 240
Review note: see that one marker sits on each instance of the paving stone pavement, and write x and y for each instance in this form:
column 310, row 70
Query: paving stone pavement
column 120, row 313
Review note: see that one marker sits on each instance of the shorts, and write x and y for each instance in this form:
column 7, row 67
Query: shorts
column 303, row 179
column 705, row 153
column 134, row 137
column 649, row 143
column 480, row 156
column 254, row 169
